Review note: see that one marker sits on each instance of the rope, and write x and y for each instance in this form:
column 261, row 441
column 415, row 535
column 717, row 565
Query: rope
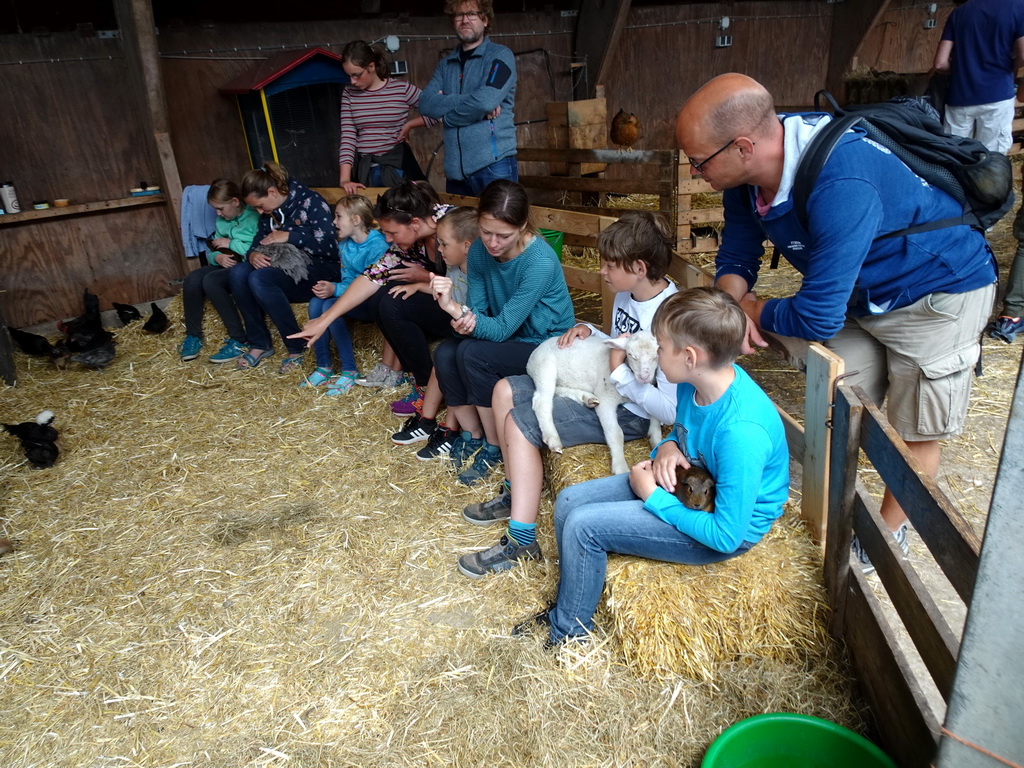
column 981, row 749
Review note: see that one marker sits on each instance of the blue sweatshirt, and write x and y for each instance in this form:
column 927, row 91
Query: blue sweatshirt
column 308, row 220
column 525, row 299
column 462, row 95
column 863, row 191
column 356, row 257
column 739, row 439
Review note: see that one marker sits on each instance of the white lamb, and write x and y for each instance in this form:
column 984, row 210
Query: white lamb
column 580, row 372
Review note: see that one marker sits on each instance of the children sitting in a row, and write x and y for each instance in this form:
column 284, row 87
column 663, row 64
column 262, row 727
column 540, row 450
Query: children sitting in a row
column 504, row 293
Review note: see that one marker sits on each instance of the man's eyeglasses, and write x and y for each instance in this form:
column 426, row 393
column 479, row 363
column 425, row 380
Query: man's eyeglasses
column 467, row 15
column 699, row 167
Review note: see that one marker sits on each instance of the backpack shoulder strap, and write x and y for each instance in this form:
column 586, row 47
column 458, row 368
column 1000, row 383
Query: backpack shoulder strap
column 813, row 160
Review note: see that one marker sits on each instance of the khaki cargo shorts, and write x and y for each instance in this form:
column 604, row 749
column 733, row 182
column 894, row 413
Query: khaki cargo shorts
column 921, row 357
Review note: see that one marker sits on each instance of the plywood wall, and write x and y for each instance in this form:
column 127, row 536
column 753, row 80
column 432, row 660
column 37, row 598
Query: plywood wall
column 72, row 126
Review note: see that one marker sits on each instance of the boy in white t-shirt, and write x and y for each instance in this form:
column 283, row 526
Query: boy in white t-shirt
column 635, row 255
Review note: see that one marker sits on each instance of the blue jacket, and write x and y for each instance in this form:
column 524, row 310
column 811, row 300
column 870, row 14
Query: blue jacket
column 863, row 191
column 308, row 220
column 461, row 96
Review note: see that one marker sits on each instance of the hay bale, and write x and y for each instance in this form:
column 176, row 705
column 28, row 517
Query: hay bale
column 682, row 619
column 687, row 620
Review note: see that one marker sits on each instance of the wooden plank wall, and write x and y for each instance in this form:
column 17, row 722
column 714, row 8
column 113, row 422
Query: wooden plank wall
column 72, row 127
column 899, row 42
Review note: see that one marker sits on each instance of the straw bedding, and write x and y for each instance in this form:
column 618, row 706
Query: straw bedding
column 225, row 570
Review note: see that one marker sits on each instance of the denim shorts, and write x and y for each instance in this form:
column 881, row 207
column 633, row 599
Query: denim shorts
column 921, row 357
column 576, row 423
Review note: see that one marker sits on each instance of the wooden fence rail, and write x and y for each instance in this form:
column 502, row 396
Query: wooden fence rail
column 906, row 723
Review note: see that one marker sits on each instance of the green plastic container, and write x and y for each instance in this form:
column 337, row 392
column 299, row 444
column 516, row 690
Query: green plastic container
column 555, row 239
column 785, row 740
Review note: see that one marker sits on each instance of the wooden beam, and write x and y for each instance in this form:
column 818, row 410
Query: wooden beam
column 598, row 27
column 138, row 34
column 851, row 23
column 612, row 156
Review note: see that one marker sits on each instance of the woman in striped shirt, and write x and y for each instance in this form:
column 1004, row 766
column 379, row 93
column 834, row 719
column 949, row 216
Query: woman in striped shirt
column 374, row 119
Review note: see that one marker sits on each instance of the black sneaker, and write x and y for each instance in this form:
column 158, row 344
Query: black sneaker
column 440, row 444
column 503, row 556
column 542, row 619
column 487, row 512
column 415, row 430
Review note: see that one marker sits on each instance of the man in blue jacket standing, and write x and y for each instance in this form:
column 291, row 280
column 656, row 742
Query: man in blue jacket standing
column 473, row 92
column 905, row 313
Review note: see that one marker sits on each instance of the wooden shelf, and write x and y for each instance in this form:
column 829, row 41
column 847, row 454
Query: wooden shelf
column 71, row 210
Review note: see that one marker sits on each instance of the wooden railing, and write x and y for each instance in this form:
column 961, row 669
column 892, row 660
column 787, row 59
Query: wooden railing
column 906, row 723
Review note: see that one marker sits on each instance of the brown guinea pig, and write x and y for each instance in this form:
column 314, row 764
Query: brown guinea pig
column 695, row 487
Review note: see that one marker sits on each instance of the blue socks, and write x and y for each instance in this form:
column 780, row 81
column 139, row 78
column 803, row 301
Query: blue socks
column 522, row 533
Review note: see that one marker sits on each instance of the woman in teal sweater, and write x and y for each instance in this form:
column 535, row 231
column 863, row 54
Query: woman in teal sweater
column 517, row 299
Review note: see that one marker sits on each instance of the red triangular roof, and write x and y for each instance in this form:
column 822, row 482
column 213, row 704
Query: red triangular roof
column 271, row 69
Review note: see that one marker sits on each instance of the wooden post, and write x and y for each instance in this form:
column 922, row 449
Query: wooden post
column 851, row 23
column 822, row 369
column 597, row 33
column 138, row 33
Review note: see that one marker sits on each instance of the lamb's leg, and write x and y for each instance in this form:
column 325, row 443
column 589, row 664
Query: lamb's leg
column 544, row 393
column 654, row 432
column 606, row 412
column 588, row 399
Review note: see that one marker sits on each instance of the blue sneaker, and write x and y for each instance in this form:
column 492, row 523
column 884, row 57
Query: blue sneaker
column 463, row 449
column 1006, row 328
column 232, row 350
column 189, row 348
column 487, row 458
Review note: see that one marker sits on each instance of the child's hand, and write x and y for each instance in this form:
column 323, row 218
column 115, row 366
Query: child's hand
column 441, row 289
column 641, row 479
column 311, row 331
column 665, row 462
column 405, row 291
column 225, row 260
column 410, row 272
column 277, row 236
column 221, row 243
column 324, row 289
column 576, row 332
column 352, row 187
column 259, row 260
column 617, row 357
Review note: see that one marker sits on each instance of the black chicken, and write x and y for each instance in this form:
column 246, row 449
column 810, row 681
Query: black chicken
column 97, row 357
column 31, row 343
column 157, row 322
column 86, row 331
column 38, row 439
column 127, row 313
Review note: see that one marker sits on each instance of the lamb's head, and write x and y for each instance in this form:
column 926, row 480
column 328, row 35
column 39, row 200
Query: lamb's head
column 641, row 354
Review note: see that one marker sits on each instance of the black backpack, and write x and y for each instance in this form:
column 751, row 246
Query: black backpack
column 908, row 127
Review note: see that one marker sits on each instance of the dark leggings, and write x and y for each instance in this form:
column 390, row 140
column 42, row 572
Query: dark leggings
column 210, row 283
column 409, row 325
column 468, row 369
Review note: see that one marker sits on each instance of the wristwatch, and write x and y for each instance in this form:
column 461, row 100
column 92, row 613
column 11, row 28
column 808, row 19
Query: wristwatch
column 465, row 311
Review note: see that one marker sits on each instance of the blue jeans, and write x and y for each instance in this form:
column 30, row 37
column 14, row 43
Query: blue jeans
column 338, row 331
column 270, row 290
column 602, row 516
column 474, row 183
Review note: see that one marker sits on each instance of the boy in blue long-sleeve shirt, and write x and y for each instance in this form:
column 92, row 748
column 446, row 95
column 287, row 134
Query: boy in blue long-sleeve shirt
column 724, row 423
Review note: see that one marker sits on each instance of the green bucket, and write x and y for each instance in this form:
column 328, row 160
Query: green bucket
column 555, row 239
column 784, row 740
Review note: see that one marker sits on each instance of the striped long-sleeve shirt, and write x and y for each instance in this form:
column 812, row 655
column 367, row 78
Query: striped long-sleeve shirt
column 372, row 120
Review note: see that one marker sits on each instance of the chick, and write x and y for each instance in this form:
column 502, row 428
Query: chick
column 157, row 322
column 127, row 313
column 626, row 130
column 86, row 331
